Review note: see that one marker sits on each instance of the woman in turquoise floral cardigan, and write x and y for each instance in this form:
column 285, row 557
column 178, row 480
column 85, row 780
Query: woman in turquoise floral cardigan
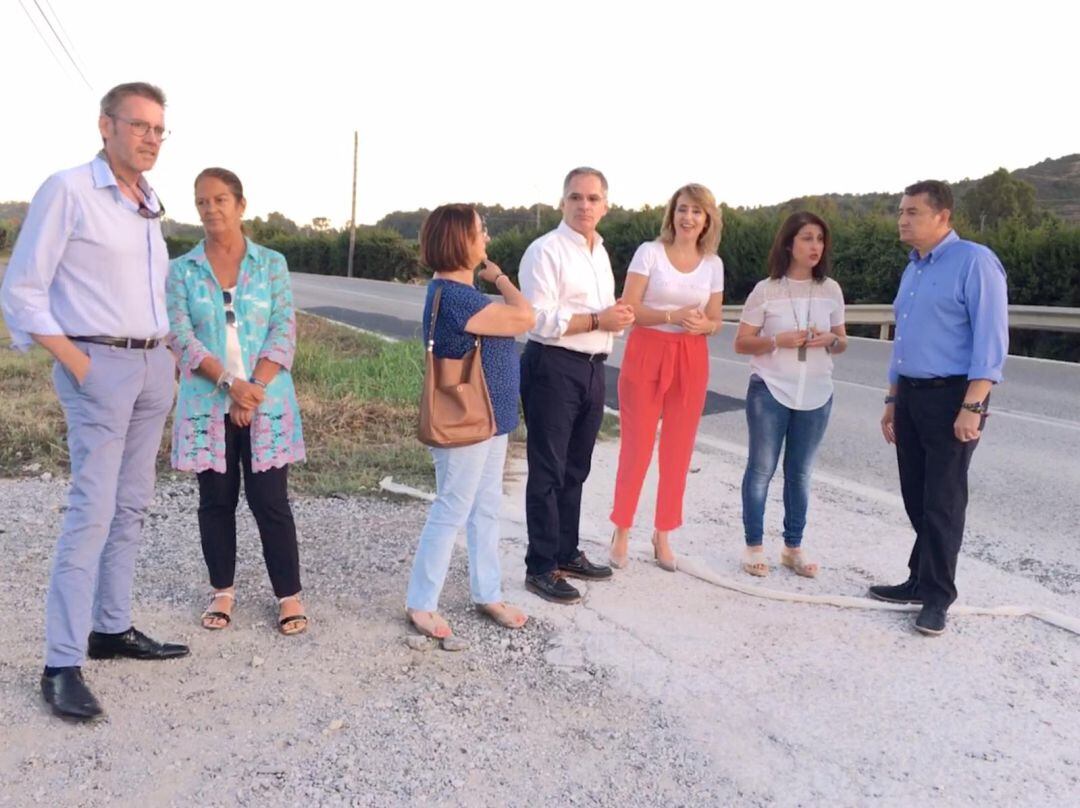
column 234, row 332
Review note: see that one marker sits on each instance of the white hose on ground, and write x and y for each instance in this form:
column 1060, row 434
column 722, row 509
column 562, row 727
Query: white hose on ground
column 702, row 572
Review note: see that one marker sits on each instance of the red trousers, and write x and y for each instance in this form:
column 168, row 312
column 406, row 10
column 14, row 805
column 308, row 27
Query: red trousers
column 664, row 375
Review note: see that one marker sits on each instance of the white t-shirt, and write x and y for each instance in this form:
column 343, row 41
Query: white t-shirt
column 669, row 288
column 234, row 356
column 782, row 305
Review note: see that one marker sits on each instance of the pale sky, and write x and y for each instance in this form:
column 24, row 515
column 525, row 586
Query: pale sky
column 493, row 102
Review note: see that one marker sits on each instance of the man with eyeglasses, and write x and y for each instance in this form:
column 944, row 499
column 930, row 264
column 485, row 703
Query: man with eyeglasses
column 566, row 275
column 86, row 281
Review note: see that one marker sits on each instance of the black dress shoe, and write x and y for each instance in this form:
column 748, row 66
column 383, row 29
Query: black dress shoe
column 931, row 620
column 907, row 592
column 581, row 567
column 69, row 697
column 133, row 644
column 552, row 587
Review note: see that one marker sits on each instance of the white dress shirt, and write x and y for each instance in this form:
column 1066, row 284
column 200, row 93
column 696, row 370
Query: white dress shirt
column 786, row 305
column 670, row 288
column 560, row 276
column 86, row 263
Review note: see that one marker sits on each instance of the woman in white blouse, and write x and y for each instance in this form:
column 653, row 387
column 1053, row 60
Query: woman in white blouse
column 676, row 286
column 792, row 325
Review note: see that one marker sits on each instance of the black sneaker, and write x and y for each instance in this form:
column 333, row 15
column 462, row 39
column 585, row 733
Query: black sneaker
column 931, row 620
column 552, row 587
column 907, row 592
column 581, row 567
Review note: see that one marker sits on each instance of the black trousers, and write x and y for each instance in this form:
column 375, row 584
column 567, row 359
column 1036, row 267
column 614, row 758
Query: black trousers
column 267, row 494
column 933, row 480
column 562, row 393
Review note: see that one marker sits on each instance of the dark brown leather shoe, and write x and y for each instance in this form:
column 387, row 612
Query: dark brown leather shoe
column 132, row 644
column 581, row 567
column 69, row 697
column 553, row 587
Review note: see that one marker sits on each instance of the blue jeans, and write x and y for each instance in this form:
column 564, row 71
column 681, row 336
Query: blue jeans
column 773, row 425
column 468, row 483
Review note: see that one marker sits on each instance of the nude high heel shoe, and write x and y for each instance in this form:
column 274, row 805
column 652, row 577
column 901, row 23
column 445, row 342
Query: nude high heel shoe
column 617, row 561
column 663, row 563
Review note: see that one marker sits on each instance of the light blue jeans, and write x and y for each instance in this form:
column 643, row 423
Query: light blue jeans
column 468, row 483
column 799, row 432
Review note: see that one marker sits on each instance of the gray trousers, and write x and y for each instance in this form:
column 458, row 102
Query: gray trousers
column 114, row 420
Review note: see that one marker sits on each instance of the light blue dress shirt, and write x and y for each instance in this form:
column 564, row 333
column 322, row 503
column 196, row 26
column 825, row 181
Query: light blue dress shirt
column 952, row 314
column 86, row 263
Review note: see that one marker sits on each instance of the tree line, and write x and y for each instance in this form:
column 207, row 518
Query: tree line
column 1041, row 253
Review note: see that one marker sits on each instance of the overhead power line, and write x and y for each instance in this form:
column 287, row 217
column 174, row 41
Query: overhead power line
column 64, row 47
column 67, row 36
column 44, row 41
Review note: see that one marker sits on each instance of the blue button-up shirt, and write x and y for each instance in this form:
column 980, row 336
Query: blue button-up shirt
column 86, row 263
column 952, row 314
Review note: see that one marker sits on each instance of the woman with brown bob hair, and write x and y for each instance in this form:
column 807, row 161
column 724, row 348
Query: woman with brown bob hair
column 792, row 325
column 468, row 479
column 676, row 286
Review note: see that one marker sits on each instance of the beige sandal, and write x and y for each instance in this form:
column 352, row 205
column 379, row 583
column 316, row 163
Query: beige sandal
column 792, row 558
column 215, row 614
column 754, row 563
column 504, row 614
column 294, row 623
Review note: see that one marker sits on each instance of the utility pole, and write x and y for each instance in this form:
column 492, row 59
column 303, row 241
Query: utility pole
column 352, row 217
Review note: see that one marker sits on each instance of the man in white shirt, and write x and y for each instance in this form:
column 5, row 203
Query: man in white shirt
column 87, row 282
column 566, row 275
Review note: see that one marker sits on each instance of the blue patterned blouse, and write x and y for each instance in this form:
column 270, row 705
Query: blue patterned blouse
column 267, row 329
column 498, row 354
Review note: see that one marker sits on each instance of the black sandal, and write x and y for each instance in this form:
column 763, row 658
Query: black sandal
column 210, row 614
column 285, row 624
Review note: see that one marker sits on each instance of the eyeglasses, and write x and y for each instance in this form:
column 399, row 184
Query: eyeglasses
column 142, row 128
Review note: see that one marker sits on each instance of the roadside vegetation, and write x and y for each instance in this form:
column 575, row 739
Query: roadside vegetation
column 357, row 395
column 358, row 398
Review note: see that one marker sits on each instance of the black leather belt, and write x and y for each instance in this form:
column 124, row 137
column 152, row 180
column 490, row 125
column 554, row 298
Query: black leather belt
column 595, row 357
column 121, row 342
column 937, row 381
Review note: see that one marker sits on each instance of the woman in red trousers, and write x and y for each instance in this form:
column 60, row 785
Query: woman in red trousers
column 676, row 286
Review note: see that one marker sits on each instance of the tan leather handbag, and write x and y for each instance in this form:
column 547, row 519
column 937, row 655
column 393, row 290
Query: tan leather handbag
column 455, row 406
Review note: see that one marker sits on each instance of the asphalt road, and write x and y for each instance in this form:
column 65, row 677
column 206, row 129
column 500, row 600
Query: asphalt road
column 1025, row 479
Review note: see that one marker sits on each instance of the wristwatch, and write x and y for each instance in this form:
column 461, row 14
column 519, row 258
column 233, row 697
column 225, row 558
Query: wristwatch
column 976, row 407
column 890, row 399
column 226, row 381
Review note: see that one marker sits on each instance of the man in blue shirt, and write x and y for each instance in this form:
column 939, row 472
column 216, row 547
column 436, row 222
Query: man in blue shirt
column 952, row 337
column 86, row 281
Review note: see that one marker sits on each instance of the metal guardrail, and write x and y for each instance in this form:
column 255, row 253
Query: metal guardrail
column 1026, row 318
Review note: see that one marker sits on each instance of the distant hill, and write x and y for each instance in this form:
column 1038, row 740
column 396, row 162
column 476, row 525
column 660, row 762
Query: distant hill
column 1057, row 185
column 1056, row 181
column 13, row 210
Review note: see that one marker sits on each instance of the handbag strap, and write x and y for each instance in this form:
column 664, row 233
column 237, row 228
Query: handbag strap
column 434, row 315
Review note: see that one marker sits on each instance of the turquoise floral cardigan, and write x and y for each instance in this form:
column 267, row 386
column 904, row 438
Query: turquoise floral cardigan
column 267, row 329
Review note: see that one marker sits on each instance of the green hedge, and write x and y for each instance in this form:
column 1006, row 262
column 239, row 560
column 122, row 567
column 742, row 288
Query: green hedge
column 1042, row 262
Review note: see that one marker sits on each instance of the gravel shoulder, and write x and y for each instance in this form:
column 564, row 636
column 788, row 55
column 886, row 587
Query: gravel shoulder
column 659, row 689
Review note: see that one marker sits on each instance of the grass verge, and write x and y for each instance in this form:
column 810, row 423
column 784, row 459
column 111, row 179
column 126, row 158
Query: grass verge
column 357, row 397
